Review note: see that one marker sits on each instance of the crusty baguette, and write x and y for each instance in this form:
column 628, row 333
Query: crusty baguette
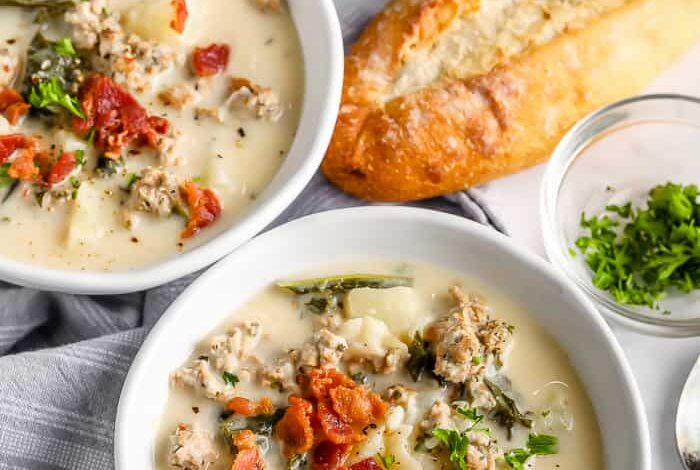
column 457, row 132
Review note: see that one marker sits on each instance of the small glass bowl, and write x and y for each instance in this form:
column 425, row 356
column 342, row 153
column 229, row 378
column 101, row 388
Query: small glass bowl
column 614, row 155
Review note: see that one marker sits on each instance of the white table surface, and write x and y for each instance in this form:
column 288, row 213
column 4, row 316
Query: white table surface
column 660, row 365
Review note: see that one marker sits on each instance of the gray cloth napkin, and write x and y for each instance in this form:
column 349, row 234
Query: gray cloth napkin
column 63, row 358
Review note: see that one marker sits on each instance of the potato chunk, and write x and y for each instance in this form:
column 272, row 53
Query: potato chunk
column 153, row 20
column 398, row 307
column 87, row 216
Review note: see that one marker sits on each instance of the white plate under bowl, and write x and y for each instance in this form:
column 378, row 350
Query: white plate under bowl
column 322, row 47
column 404, row 234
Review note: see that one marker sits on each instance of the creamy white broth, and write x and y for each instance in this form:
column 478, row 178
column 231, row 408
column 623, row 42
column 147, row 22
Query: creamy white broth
column 236, row 158
column 543, row 380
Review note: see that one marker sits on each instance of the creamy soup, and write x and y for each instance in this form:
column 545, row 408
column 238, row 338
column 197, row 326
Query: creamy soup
column 132, row 130
column 414, row 368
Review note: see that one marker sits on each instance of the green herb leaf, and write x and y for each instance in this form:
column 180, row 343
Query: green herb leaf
column 344, row 283
column 386, row 460
column 5, row 179
column 131, row 180
column 542, row 444
column 516, row 458
column 317, row 305
column 50, row 94
column 648, row 251
column 421, row 359
column 537, row 444
column 65, row 47
column 80, row 157
column 506, row 411
column 456, row 443
column 473, row 415
column 90, row 137
column 230, row 379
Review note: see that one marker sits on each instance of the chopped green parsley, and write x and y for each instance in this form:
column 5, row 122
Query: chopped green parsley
column 50, row 94
column 230, row 379
column 638, row 254
column 537, row 444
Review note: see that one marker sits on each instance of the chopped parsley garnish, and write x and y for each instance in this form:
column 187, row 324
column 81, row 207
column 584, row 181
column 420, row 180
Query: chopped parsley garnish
column 50, row 94
column 90, row 137
column 5, row 178
column 74, row 182
column 65, row 47
column 473, row 415
column 537, row 444
column 457, row 443
column 131, row 180
column 638, row 254
column 80, row 157
column 230, row 379
column 386, row 460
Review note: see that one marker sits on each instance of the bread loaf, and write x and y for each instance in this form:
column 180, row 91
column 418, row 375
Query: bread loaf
column 445, row 94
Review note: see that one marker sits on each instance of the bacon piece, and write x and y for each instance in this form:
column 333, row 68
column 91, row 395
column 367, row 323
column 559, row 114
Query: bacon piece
column 344, row 407
column 324, row 379
column 248, row 459
column 12, row 105
column 244, row 439
column 334, row 428
column 358, row 405
column 61, row 169
column 294, row 429
column 23, row 167
column 210, row 60
column 370, row 463
column 11, row 143
column 204, row 208
column 180, row 17
column 329, row 456
column 245, row 407
column 116, row 117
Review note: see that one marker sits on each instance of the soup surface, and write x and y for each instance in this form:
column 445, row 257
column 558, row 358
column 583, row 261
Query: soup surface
column 414, row 368
column 132, row 130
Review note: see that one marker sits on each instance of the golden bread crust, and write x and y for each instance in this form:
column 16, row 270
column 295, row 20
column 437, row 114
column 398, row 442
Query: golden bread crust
column 457, row 133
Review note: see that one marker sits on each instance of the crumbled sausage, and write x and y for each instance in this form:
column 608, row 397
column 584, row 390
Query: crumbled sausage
column 167, row 149
column 191, row 449
column 466, row 340
column 261, row 100
column 226, row 353
column 279, row 375
column 127, row 58
column 437, row 416
column 482, row 452
column 156, row 192
column 324, row 350
column 178, row 96
column 209, row 112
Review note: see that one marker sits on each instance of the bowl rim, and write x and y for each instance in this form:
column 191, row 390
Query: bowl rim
column 564, row 155
column 323, row 72
column 378, row 215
